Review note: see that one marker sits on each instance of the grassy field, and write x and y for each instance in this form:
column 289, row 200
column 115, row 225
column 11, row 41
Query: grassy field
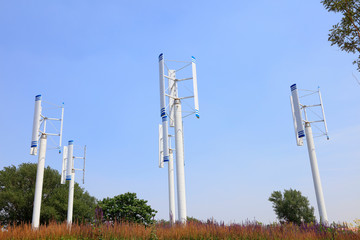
column 193, row 230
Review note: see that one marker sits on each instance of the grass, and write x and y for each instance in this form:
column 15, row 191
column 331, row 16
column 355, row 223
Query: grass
column 193, row 230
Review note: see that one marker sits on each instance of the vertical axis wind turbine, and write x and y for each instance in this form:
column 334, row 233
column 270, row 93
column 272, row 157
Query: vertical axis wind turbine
column 175, row 115
column 37, row 132
column 69, row 170
column 296, row 108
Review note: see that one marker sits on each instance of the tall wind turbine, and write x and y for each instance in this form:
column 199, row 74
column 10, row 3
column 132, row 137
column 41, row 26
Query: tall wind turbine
column 174, row 113
column 37, row 132
column 299, row 125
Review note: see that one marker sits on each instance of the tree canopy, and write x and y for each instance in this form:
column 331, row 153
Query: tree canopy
column 17, row 188
column 127, row 207
column 292, row 207
column 346, row 33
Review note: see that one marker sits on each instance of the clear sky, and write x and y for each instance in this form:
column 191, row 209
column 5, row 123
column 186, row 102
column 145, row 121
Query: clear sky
column 100, row 59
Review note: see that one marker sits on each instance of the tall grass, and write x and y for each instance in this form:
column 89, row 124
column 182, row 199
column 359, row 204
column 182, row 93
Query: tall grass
column 193, row 230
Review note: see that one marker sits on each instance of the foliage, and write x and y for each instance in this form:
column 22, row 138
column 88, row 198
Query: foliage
column 355, row 225
column 193, row 220
column 127, row 207
column 292, row 207
column 192, row 230
column 17, row 188
column 346, row 33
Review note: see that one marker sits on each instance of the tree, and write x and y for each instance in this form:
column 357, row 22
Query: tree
column 292, row 207
column 127, row 207
column 346, row 33
column 17, row 188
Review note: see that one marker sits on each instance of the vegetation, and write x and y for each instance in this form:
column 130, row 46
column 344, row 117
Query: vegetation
column 346, row 33
column 127, row 217
column 126, row 207
column 192, row 230
column 292, row 207
column 17, row 187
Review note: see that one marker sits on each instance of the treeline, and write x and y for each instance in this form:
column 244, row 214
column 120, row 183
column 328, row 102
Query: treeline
column 17, row 188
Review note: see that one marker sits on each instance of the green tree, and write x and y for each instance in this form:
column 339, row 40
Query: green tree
column 346, row 33
column 17, row 188
column 292, row 207
column 127, row 207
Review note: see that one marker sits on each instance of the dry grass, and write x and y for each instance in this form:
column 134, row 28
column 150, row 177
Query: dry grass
column 193, row 230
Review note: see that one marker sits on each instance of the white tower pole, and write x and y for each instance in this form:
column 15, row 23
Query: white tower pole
column 180, row 172
column 72, row 181
column 71, row 200
column 315, row 173
column 39, row 182
column 171, row 188
column 173, row 93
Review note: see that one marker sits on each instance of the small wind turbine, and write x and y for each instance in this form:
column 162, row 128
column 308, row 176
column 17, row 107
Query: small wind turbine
column 69, row 170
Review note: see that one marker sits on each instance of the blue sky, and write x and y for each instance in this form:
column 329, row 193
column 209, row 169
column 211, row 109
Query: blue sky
column 100, row 59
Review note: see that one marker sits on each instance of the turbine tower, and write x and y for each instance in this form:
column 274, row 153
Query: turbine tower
column 174, row 113
column 299, row 125
column 41, row 121
column 170, row 175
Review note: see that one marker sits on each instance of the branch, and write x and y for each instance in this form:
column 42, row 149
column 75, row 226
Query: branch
column 352, row 20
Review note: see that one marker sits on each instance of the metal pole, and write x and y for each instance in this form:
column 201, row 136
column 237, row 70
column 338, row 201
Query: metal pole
column 171, row 188
column 71, row 199
column 39, row 182
column 71, row 183
column 180, row 173
column 315, row 174
column 173, row 93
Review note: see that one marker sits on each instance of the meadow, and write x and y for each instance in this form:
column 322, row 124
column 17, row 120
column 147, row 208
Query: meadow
column 193, row 230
